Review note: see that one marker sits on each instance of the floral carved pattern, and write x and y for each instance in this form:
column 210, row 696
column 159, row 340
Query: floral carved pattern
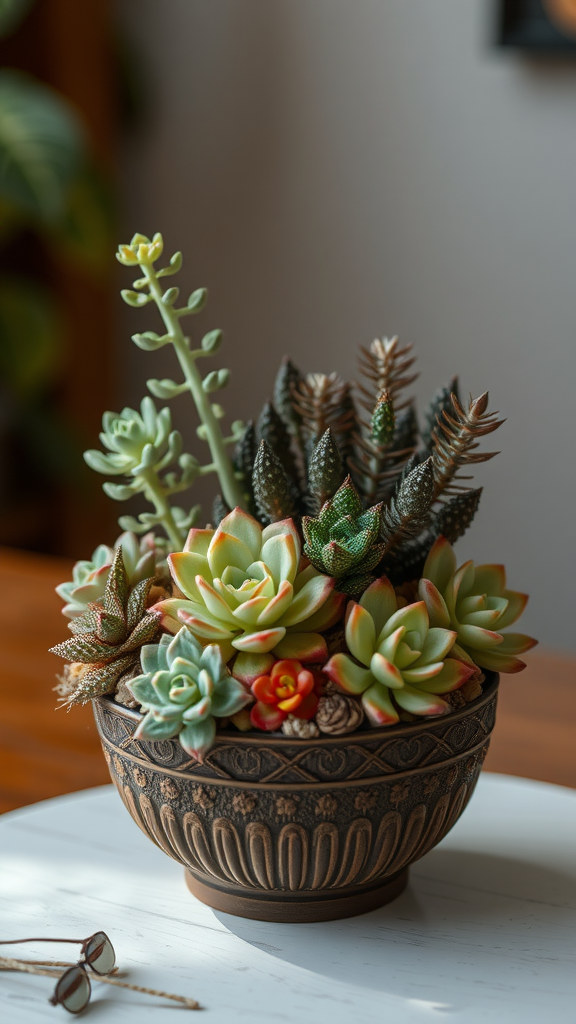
column 357, row 756
column 301, row 818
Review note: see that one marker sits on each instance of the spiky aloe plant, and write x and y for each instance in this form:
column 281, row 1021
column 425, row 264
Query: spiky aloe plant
column 183, row 688
column 244, row 589
column 401, row 661
column 108, row 636
column 417, row 482
column 475, row 602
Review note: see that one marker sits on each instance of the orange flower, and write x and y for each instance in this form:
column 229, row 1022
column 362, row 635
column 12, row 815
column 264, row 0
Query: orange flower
column 289, row 689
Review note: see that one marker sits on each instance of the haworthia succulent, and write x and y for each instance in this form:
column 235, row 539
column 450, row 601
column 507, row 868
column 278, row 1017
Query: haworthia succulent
column 454, row 518
column 325, row 472
column 343, row 541
column 272, row 429
column 383, row 421
column 219, row 510
column 109, row 636
column 287, row 380
column 409, row 510
column 451, row 521
column 244, row 456
column 274, row 492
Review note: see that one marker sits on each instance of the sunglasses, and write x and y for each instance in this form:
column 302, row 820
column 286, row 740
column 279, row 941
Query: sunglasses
column 73, row 989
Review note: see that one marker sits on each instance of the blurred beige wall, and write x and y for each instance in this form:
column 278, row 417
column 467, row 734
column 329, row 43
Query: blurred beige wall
column 337, row 170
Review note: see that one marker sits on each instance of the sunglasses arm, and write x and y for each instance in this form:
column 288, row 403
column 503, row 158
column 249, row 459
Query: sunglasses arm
column 14, row 942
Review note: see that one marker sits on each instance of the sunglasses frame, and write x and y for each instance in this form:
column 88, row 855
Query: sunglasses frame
column 82, row 965
column 55, row 1000
column 46, row 967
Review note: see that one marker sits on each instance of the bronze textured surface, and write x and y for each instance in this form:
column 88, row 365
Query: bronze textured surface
column 324, row 826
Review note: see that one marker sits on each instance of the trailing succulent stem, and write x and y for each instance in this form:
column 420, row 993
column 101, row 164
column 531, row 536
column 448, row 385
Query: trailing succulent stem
column 143, row 253
column 140, row 447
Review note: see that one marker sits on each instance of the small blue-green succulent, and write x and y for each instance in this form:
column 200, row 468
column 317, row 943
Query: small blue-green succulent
column 184, row 687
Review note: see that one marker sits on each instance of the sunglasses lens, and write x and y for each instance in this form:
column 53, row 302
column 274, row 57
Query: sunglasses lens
column 73, row 990
column 100, row 954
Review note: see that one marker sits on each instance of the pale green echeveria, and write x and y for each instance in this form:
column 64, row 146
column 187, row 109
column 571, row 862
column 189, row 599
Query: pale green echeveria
column 475, row 602
column 143, row 557
column 396, row 653
column 136, row 441
column 184, row 687
column 246, row 589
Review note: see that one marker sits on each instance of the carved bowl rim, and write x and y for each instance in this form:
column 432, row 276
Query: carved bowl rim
column 248, row 739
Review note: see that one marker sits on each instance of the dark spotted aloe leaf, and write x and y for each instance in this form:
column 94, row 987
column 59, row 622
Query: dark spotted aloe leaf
column 451, row 521
column 274, row 492
column 272, row 429
column 408, row 512
column 325, row 472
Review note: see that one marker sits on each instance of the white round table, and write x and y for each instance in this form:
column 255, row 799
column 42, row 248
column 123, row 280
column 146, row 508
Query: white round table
column 484, row 932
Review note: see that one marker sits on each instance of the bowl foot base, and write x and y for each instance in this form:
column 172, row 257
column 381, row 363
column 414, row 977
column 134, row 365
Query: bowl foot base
column 322, row 908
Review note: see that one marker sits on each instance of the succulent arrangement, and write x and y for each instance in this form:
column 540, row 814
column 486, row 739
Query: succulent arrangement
column 324, row 594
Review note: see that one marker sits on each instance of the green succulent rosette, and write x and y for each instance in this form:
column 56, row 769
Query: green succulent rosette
column 142, row 558
column 395, row 654
column 343, row 540
column 246, row 589
column 184, row 687
column 88, row 582
column 135, row 441
column 475, row 602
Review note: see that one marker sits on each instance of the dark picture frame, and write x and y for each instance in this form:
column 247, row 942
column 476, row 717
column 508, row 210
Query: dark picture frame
column 527, row 25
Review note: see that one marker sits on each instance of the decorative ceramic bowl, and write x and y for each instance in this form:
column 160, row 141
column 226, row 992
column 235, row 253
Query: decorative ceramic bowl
column 283, row 829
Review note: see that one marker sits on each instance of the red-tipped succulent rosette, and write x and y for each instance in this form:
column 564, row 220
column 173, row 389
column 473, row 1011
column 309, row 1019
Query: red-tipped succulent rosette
column 289, row 689
column 395, row 652
column 249, row 590
column 474, row 602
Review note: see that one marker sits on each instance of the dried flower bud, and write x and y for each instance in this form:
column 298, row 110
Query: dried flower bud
column 338, row 714
column 299, row 728
column 471, row 689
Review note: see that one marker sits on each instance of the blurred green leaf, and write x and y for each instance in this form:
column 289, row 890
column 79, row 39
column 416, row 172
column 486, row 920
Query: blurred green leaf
column 41, row 146
column 12, row 12
column 30, row 337
column 84, row 235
